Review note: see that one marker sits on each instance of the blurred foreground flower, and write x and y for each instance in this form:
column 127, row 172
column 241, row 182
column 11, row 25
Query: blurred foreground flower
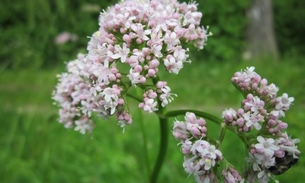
column 64, row 37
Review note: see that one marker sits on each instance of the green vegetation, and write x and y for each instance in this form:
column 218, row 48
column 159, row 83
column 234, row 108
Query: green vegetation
column 35, row 148
column 28, row 29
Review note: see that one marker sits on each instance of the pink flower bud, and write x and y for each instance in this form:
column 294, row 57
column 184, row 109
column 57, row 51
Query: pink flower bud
column 112, row 77
column 151, row 72
column 142, row 80
column 154, row 63
column 161, row 84
column 139, row 40
column 138, row 68
column 126, row 38
column 118, row 75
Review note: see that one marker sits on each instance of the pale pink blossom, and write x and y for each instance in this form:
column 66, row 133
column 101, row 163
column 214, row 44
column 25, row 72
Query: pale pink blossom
column 111, row 99
column 121, row 52
column 166, row 96
column 64, row 37
column 283, row 102
column 84, row 125
column 180, row 53
column 190, row 128
column 229, row 115
column 135, row 77
column 252, row 120
column 267, row 145
column 200, row 157
column 171, row 40
column 173, row 65
column 140, row 32
column 180, row 131
column 149, row 105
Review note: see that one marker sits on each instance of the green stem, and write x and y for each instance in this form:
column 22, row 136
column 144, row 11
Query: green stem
column 163, row 120
column 143, row 131
column 222, row 134
column 145, row 149
column 144, row 137
column 162, row 150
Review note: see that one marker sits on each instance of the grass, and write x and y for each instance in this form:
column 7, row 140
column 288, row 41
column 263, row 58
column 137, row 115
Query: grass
column 36, row 148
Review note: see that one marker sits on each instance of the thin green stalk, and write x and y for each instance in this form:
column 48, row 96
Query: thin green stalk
column 163, row 120
column 162, row 150
column 222, row 134
column 143, row 131
column 144, row 142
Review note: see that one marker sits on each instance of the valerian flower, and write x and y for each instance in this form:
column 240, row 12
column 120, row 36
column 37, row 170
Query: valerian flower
column 135, row 36
column 271, row 152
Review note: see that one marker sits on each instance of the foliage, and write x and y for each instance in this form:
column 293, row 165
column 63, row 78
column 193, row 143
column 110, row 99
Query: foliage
column 35, row 148
column 289, row 26
column 28, row 29
column 227, row 22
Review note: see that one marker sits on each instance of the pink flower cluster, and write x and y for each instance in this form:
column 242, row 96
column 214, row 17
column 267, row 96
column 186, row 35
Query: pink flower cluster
column 199, row 155
column 248, row 81
column 190, row 128
column 261, row 109
column 200, row 160
column 134, row 40
column 275, row 155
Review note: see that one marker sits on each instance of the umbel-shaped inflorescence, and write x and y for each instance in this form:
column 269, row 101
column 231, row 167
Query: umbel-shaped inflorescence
column 201, row 156
column 135, row 39
column 258, row 123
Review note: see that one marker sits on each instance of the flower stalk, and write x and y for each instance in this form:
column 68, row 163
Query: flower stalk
column 162, row 149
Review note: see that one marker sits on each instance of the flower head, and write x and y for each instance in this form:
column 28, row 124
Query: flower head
column 134, row 36
column 190, row 128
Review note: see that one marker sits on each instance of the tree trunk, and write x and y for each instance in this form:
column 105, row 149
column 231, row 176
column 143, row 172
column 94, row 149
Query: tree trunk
column 260, row 36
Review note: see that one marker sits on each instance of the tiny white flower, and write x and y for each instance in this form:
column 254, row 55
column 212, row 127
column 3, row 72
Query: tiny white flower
column 150, row 105
column 134, row 77
column 121, row 52
column 110, row 95
column 84, row 125
column 173, row 65
column 268, row 145
column 283, row 102
column 166, row 97
column 272, row 90
column 229, row 114
column 252, row 120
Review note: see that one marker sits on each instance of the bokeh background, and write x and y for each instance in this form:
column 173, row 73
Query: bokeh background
column 35, row 148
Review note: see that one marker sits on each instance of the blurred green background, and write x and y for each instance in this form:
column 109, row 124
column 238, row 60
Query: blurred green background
column 34, row 147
